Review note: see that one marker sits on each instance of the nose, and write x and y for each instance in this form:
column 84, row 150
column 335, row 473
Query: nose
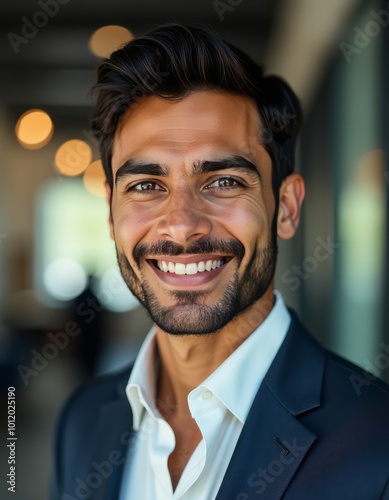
column 184, row 219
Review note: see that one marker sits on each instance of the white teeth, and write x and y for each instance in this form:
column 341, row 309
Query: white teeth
column 201, row 267
column 191, row 268
column 180, row 268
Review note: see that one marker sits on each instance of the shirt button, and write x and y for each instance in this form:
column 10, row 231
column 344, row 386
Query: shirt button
column 207, row 394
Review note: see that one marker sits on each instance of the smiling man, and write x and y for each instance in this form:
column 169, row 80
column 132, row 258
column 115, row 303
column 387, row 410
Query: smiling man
column 230, row 397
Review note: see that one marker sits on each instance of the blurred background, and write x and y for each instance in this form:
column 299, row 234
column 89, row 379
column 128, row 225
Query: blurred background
column 65, row 313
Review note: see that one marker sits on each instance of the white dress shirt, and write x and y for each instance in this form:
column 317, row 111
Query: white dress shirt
column 219, row 405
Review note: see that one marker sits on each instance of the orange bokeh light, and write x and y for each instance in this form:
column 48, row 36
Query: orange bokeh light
column 73, row 157
column 34, row 129
column 94, row 179
column 107, row 39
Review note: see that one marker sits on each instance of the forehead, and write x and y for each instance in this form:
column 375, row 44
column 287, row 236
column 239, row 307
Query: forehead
column 202, row 124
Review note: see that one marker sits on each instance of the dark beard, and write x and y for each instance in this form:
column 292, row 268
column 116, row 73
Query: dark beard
column 190, row 315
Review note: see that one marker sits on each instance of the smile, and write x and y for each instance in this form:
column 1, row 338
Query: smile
column 188, row 271
column 190, row 268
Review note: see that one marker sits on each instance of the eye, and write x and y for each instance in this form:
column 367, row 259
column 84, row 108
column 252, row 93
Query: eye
column 224, row 183
column 145, row 187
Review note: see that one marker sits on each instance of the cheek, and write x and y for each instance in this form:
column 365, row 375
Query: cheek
column 248, row 222
column 130, row 226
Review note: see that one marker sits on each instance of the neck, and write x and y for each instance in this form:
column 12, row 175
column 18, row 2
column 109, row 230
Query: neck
column 186, row 361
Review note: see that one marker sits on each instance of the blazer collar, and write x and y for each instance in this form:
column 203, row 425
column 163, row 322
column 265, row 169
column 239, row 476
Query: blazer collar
column 273, row 442
column 296, row 375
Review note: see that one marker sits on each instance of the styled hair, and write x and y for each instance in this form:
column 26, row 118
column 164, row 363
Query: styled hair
column 174, row 60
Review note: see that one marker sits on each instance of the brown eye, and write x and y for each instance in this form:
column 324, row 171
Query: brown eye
column 224, row 183
column 227, row 182
column 146, row 186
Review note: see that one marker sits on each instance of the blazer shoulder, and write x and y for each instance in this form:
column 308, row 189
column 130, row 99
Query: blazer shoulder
column 88, row 397
column 77, row 426
column 305, row 374
column 337, row 370
column 363, row 382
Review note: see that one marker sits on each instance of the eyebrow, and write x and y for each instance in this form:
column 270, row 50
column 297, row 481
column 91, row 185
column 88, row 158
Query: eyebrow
column 237, row 162
column 134, row 167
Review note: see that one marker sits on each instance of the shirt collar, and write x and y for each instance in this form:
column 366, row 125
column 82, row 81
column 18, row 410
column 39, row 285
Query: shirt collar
column 235, row 382
column 141, row 387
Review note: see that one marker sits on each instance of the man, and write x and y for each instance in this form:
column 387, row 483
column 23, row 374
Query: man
column 230, row 397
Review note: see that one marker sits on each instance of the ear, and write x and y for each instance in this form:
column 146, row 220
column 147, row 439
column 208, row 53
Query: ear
column 292, row 193
column 108, row 197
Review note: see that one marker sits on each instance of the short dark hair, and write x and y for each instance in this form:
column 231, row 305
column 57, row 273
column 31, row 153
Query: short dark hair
column 174, row 60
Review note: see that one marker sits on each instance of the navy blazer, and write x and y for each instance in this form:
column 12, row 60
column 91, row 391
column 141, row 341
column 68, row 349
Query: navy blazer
column 318, row 429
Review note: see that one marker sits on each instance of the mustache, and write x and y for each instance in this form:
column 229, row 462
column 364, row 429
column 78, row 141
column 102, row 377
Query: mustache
column 163, row 247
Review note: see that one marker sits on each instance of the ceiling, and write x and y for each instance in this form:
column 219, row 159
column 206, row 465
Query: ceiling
column 51, row 65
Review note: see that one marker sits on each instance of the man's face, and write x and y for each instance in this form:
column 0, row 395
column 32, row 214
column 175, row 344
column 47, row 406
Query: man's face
column 192, row 209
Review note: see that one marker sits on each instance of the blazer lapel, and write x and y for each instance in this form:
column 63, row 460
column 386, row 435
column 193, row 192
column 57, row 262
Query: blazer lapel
column 273, row 442
column 111, row 438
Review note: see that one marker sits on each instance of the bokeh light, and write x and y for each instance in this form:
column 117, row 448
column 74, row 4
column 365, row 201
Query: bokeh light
column 64, row 279
column 371, row 171
column 94, row 179
column 107, row 39
column 73, row 157
column 34, row 129
column 113, row 293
